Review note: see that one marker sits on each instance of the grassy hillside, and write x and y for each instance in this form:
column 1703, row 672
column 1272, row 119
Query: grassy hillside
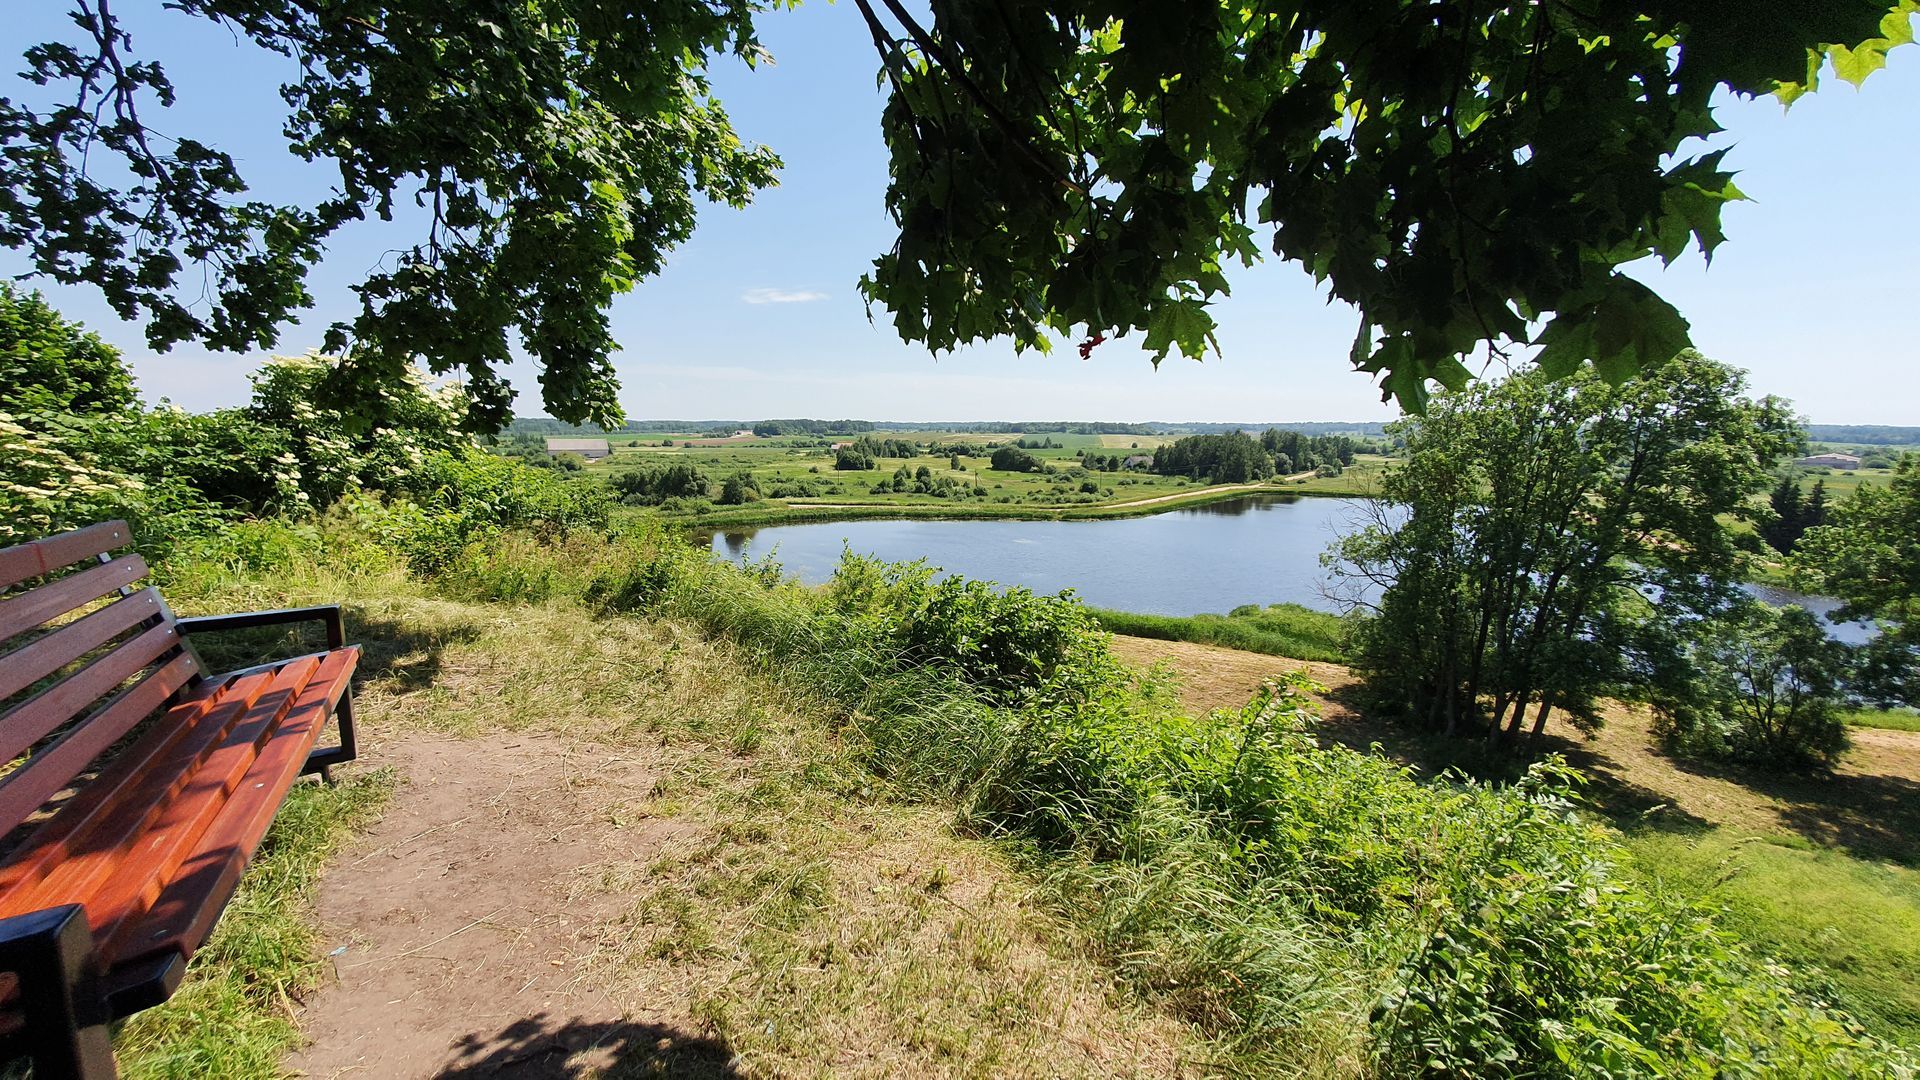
column 1822, row 874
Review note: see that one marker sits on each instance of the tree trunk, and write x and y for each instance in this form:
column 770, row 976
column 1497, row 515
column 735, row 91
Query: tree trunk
column 1540, row 718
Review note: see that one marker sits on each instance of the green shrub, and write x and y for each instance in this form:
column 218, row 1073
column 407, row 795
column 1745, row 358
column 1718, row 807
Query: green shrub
column 60, row 472
column 468, row 495
column 1759, row 685
column 384, row 446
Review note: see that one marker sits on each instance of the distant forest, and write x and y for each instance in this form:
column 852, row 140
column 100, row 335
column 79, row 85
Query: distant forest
column 1864, row 434
column 543, row 426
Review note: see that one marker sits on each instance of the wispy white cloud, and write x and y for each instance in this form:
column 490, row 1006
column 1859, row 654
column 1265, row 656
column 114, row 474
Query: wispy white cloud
column 782, row 296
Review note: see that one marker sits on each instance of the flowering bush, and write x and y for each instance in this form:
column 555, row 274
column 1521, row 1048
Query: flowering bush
column 60, row 473
column 383, row 447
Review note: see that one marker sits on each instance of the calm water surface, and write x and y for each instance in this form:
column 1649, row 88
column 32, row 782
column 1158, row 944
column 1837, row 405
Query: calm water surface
column 1261, row 549
column 1255, row 550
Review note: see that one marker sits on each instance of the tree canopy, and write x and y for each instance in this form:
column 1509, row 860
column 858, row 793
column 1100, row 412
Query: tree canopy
column 555, row 148
column 1463, row 173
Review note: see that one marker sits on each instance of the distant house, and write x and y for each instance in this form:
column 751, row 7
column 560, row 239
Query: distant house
column 1830, row 461
column 591, row 449
column 1137, row 461
column 840, row 446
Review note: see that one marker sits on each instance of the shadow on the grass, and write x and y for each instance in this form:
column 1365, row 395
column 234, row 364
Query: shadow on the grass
column 1868, row 815
column 402, row 655
column 545, row 1048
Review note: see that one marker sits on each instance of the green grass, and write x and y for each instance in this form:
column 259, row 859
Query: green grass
column 1850, row 927
column 787, row 460
column 1288, row 630
column 233, row 1016
column 1891, row 719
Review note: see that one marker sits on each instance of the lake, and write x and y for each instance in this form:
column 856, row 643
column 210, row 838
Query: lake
column 1261, row 549
column 1254, row 550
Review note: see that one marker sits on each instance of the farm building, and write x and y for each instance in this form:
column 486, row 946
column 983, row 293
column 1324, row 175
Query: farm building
column 1138, row 461
column 1829, row 461
column 591, row 449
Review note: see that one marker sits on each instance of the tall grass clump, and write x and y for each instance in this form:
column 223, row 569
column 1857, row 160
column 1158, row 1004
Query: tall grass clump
column 1289, row 630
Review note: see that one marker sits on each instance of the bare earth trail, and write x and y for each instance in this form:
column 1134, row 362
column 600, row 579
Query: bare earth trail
column 460, row 942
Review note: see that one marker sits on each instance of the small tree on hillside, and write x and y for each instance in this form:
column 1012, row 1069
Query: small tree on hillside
column 739, row 488
column 1513, row 551
column 852, row 459
column 1014, row 459
column 1760, row 685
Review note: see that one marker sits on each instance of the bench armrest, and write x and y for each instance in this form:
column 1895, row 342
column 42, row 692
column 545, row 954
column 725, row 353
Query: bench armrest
column 325, row 613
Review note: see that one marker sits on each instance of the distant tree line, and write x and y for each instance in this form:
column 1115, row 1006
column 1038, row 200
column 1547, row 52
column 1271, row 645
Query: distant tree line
column 1235, row 458
column 775, row 428
column 651, row 487
column 923, row 481
column 1239, row 458
column 1107, row 462
column 1864, row 434
column 1297, row 451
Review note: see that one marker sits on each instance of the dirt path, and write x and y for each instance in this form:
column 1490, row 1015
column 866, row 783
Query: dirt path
column 458, row 929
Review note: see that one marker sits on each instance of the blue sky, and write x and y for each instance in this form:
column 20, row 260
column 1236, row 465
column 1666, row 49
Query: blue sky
column 758, row 315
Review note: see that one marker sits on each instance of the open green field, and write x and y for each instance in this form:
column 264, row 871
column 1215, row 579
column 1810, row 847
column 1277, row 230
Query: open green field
column 797, row 478
column 1843, row 482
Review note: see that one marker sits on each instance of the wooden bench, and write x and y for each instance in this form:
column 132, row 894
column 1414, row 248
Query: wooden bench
column 137, row 788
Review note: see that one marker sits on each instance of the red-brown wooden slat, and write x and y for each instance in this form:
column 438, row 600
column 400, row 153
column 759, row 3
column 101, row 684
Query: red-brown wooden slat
column 184, row 914
column 139, row 870
column 96, row 852
column 37, row 557
column 25, row 666
column 134, row 783
column 31, row 720
column 19, row 614
column 22, row 792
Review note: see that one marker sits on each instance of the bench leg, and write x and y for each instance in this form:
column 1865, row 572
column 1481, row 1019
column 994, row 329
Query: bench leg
column 51, row 953
column 322, row 761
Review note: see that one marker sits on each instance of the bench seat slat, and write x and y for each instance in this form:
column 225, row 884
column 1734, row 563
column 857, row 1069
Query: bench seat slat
column 53, row 768
column 19, row 614
column 125, row 794
column 25, row 666
column 189, row 810
column 37, row 557
column 172, row 814
column 183, row 915
column 33, row 719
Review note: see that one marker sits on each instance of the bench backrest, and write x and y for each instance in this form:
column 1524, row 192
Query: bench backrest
column 72, row 688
